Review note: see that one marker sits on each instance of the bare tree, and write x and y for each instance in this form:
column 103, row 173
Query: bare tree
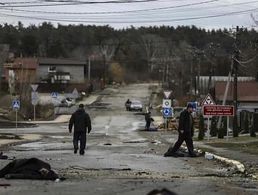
column 253, row 18
column 150, row 43
column 4, row 50
column 107, row 50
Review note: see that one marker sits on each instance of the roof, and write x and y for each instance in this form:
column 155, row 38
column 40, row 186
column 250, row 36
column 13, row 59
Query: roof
column 60, row 61
column 25, row 63
column 246, row 91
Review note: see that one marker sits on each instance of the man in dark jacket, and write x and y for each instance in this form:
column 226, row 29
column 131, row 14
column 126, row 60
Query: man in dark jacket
column 186, row 132
column 82, row 123
column 147, row 120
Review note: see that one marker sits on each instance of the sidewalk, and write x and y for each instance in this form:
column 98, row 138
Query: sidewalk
column 65, row 118
column 24, row 138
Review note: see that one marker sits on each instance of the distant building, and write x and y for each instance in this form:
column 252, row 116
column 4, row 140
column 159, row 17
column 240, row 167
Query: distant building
column 54, row 70
column 205, row 83
column 247, row 94
column 23, row 69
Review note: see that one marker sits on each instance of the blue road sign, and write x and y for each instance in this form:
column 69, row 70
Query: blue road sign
column 54, row 94
column 167, row 112
column 16, row 104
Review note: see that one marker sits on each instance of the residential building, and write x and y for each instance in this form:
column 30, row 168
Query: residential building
column 54, row 70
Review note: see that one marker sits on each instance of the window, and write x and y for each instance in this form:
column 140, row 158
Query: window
column 52, row 69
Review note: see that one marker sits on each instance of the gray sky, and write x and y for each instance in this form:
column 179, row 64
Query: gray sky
column 202, row 13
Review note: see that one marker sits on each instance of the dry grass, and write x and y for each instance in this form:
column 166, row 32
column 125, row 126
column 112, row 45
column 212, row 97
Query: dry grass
column 249, row 146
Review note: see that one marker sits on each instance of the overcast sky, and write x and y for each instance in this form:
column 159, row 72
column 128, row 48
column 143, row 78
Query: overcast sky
column 202, row 13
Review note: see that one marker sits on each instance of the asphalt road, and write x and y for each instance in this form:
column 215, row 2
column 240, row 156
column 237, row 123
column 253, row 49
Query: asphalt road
column 119, row 158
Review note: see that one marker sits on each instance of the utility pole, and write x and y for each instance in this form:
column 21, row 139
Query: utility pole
column 235, row 68
column 89, row 67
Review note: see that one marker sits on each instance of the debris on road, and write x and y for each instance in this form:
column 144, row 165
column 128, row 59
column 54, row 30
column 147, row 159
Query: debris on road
column 5, row 184
column 3, row 157
column 208, row 156
column 164, row 191
column 136, row 141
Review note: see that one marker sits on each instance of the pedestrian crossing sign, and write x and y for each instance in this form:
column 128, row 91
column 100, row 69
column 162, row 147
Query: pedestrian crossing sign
column 16, row 104
column 208, row 100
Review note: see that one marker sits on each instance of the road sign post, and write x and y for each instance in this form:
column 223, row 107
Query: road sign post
column 34, row 102
column 167, row 94
column 208, row 101
column 166, row 103
column 167, row 110
column 218, row 110
column 227, row 127
column 167, row 113
column 16, row 106
column 208, row 128
column 34, row 98
column 54, row 94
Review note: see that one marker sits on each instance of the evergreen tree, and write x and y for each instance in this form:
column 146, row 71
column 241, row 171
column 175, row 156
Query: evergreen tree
column 201, row 128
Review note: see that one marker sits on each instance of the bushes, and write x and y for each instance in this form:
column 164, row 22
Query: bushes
column 214, row 130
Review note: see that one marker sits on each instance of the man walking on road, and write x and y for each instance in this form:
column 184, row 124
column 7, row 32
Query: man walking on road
column 186, row 132
column 82, row 124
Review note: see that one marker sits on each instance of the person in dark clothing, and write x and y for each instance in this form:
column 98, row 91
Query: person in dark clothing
column 128, row 104
column 82, row 124
column 186, row 132
column 90, row 88
column 148, row 120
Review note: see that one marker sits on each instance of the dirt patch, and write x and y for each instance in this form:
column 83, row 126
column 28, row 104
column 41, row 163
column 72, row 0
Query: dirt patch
column 9, row 136
column 11, row 124
column 250, row 147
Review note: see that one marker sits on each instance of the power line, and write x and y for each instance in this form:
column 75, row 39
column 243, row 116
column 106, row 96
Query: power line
column 79, row 3
column 20, row 2
column 135, row 11
column 134, row 21
column 113, row 12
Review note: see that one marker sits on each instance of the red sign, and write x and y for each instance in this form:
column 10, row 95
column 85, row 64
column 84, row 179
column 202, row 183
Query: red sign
column 218, row 110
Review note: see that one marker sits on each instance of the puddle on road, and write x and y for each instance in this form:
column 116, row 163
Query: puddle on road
column 59, row 137
column 41, row 146
column 137, row 141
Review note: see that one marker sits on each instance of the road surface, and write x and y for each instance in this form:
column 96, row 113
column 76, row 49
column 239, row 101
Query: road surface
column 120, row 159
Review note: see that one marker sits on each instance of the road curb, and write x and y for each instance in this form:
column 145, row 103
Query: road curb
column 234, row 163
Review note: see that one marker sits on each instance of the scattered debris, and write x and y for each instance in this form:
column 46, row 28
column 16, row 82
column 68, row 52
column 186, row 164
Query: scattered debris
column 137, row 141
column 151, row 151
column 4, row 184
column 164, row 191
column 239, row 166
column 156, row 142
column 9, row 136
column 3, row 157
column 208, row 156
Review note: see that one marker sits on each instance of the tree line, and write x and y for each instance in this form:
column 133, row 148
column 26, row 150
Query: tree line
column 149, row 52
